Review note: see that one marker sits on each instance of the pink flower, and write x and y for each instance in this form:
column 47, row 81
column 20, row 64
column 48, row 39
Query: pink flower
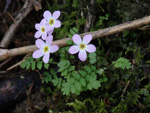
column 42, row 29
column 82, row 46
column 52, row 19
column 45, row 48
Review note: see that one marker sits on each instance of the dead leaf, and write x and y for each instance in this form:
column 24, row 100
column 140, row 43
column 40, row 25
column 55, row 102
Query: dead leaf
column 37, row 6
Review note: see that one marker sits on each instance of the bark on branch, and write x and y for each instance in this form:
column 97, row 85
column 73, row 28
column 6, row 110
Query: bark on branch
column 28, row 6
column 5, row 53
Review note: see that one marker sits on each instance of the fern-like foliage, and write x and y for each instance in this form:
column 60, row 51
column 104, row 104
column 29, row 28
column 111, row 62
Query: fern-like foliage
column 122, row 63
column 33, row 64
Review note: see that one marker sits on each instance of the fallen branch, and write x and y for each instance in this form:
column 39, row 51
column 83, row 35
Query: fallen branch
column 18, row 63
column 125, row 89
column 28, row 6
column 5, row 53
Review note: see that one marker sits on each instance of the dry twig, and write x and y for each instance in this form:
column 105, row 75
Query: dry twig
column 125, row 89
column 28, row 6
column 5, row 53
column 6, row 61
column 17, row 64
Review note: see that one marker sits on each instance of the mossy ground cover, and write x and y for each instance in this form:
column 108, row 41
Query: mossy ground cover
column 114, row 79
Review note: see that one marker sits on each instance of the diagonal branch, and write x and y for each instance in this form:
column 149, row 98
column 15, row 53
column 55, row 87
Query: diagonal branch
column 28, row 6
column 5, row 53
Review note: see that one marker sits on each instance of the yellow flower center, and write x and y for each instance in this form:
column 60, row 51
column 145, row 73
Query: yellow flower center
column 51, row 21
column 46, row 48
column 82, row 46
column 42, row 29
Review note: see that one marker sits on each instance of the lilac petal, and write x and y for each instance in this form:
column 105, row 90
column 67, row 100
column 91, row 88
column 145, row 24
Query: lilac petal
column 91, row 48
column 52, row 27
column 82, row 55
column 76, row 39
column 49, row 40
column 46, row 58
column 47, row 15
column 39, row 43
column 48, row 28
column 43, row 22
column 37, row 34
column 53, row 48
column 44, row 36
column 56, row 14
column 37, row 26
column 73, row 49
column 37, row 54
column 50, row 32
column 57, row 24
column 87, row 39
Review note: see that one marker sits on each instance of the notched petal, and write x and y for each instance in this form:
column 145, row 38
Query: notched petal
column 53, row 48
column 56, row 14
column 73, row 49
column 87, row 39
column 37, row 54
column 47, row 15
column 82, row 55
column 76, row 39
column 91, row 48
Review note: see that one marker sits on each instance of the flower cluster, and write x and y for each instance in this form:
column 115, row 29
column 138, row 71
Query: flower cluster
column 45, row 29
column 82, row 46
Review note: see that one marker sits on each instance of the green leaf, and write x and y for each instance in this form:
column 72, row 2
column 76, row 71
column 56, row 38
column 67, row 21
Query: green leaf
column 27, row 60
column 69, row 35
column 92, row 61
column 73, row 89
column 83, row 73
column 92, row 55
column 78, row 85
column 39, row 65
column 101, row 71
column 88, row 69
column 96, row 84
column 82, row 81
column 23, row 65
column 55, row 81
column 28, row 66
column 89, row 86
column 67, row 48
column 64, row 72
column 62, row 63
column 93, row 68
column 67, row 64
column 61, row 69
column 72, row 32
column 76, row 75
column 72, row 57
column 59, row 82
column 47, row 78
column 75, row 29
column 69, row 42
column 38, row 59
column 65, row 89
column 122, row 63
column 105, row 79
column 31, row 59
column 46, row 65
column 33, row 66
column 71, row 81
column 101, row 80
column 71, row 68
